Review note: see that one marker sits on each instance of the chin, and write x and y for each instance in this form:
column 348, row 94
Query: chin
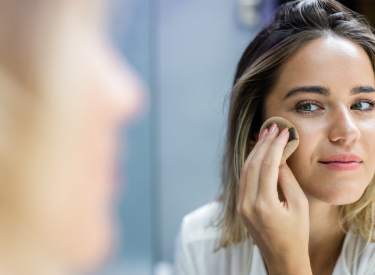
column 337, row 196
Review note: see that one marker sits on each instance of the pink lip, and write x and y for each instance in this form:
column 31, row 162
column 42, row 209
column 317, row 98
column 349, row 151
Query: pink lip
column 343, row 158
column 342, row 166
column 342, row 162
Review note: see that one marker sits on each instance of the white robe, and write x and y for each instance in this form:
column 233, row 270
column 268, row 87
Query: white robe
column 196, row 242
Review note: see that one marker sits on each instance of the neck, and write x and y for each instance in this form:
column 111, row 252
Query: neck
column 326, row 238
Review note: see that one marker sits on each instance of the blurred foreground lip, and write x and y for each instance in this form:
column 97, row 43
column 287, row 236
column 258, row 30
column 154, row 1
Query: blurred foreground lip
column 342, row 162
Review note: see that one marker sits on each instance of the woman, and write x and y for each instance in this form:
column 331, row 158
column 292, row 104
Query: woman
column 312, row 64
column 64, row 92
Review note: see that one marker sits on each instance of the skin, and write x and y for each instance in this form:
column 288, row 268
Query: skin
column 110, row 96
column 72, row 177
column 299, row 236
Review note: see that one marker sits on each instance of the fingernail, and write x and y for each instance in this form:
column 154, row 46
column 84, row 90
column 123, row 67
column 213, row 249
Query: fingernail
column 263, row 134
column 283, row 132
column 272, row 129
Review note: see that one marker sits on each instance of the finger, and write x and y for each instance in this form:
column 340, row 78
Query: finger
column 269, row 170
column 253, row 151
column 292, row 191
column 254, row 166
column 242, row 184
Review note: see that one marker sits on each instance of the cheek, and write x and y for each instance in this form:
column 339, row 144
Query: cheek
column 305, row 154
column 80, row 225
column 90, row 218
column 301, row 161
column 92, row 165
column 368, row 143
column 333, row 187
column 78, row 220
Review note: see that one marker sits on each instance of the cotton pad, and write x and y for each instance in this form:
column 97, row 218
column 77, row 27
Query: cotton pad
column 283, row 123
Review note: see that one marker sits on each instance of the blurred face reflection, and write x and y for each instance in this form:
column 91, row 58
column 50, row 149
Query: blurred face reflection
column 107, row 95
column 112, row 96
column 65, row 95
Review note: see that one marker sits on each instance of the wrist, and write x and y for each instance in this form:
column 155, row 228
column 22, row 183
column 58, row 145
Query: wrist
column 296, row 265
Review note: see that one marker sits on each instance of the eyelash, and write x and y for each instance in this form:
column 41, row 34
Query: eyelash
column 306, row 102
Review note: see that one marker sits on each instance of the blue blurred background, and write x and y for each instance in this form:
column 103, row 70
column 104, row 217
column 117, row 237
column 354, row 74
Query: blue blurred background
column 186, row 52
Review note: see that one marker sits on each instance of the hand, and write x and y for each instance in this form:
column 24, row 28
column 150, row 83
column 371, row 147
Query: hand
column 280, row 229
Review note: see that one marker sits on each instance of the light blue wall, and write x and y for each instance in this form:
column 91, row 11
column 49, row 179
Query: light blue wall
column 186, row 51
column 199, row 44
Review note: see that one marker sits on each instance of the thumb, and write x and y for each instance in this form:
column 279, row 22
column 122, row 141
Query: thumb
column 290, row 187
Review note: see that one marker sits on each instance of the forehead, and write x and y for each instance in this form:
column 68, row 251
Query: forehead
column 333, row 62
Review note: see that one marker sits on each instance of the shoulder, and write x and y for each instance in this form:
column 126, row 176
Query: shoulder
column 359, row 257
column 198, row 225
column 196, row 245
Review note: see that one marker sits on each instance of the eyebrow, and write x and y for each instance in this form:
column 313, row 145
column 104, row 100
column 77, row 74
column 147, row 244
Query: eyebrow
column 325, row 92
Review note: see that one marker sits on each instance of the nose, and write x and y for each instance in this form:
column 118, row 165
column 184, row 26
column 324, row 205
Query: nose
column 343, row 126
column 132, row 96
column 129, row 96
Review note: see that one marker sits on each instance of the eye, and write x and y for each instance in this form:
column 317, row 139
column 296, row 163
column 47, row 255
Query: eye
column 367, row 104
column 306, row 107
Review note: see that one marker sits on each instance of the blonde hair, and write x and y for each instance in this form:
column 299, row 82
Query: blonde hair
column 294, row 25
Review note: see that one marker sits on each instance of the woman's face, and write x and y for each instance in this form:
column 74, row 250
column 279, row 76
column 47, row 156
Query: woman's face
column 112, row 95
column 77, row 219
column 335, row 115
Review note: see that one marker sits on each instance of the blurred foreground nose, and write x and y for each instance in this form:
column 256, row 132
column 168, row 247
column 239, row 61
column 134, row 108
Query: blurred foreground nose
column 133, row 97
column 128, row 93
